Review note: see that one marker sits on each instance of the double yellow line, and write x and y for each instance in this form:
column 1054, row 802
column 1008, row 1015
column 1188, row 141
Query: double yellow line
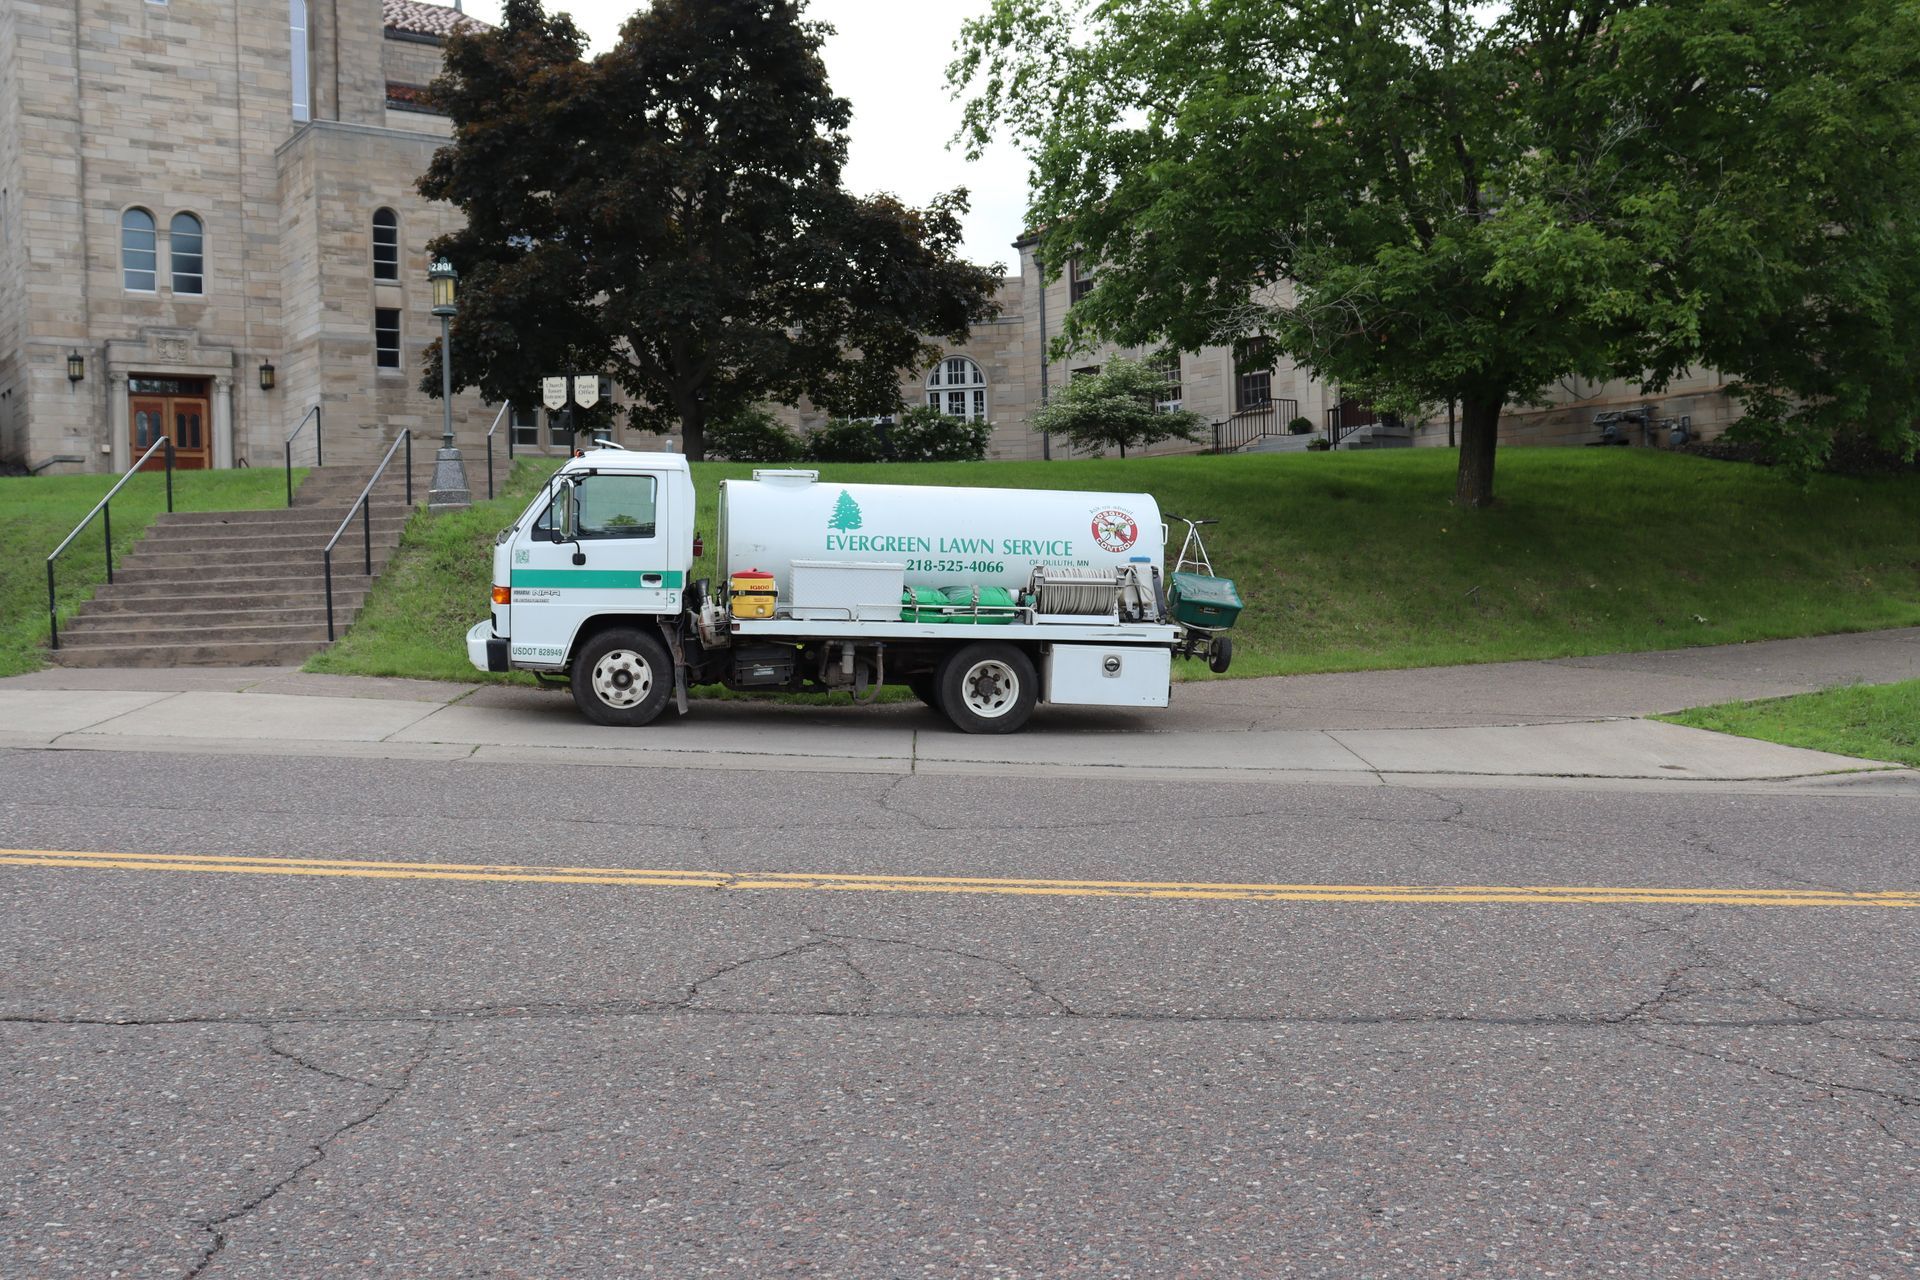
column 1180, row 890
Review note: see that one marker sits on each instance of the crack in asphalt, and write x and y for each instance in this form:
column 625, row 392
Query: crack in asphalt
column 316, row 1151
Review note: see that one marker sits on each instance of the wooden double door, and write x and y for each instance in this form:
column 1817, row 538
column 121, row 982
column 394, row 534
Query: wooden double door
column 176, row 407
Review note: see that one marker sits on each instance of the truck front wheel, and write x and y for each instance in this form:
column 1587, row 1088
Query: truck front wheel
column 622, row 677
column 989, row 688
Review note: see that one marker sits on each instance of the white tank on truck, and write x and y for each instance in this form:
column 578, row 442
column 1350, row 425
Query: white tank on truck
column 944, row 536
column 983, row 602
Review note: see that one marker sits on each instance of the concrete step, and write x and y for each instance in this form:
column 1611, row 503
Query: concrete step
column 81, row 635
column 216, row 548
column 309, row 612
column 260, row 653
column 235, row 585
column 268, row 565
column 269, row 600
column 323, row 520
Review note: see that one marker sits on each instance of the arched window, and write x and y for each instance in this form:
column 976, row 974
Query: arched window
column 139, row 259
column 386, row 245
column 187, row 253
column 956, row 387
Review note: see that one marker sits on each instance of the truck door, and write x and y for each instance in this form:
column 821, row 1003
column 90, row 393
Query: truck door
column 600, row 547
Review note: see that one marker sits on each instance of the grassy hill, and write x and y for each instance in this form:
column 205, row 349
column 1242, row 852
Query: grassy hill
column 37, row 511
column 1356, row 560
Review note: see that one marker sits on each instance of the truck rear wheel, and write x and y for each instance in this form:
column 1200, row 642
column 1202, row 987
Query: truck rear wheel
column 622, row 677
column 989, row 688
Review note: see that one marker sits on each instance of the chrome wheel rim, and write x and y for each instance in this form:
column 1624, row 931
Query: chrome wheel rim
column 622, row 678
column 990, row 688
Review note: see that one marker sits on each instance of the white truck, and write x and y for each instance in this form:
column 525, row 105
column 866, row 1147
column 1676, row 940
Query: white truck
column 984, row 602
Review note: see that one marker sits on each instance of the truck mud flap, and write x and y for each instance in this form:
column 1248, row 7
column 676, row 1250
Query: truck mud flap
column 497, row 654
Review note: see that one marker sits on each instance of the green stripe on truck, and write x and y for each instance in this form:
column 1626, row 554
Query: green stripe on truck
column 603, row 578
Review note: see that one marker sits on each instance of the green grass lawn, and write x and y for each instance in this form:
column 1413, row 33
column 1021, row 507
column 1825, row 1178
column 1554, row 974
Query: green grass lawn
column 36, row 512
column 1351, row 561
column 1876, row 721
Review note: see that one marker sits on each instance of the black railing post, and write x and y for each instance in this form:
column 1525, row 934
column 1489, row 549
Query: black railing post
column 319, row 439
column 106, row 525
column 326, row 562
column 53, row 614
column 289, row 470
column 169, row 475
column 489, row 465
column 366, row 530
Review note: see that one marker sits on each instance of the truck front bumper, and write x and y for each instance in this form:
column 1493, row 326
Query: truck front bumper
column 485, row 650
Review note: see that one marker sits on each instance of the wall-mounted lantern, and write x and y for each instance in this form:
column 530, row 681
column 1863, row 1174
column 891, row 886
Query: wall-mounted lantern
column 76, row 366
column 266, row 375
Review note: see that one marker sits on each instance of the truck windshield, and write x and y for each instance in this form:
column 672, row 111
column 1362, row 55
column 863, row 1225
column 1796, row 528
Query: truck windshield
column 615, row 506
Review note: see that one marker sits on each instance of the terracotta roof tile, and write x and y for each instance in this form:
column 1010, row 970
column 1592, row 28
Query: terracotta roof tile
column 415, row 17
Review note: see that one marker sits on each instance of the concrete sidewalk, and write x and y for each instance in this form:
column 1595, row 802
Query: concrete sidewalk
column 1569, row 719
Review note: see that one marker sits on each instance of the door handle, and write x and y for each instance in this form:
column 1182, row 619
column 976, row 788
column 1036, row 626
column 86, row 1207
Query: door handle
column 650, row 579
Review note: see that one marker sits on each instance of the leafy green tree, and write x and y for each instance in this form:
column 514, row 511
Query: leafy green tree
column 1115, row 408
column 673, row 212
column 1458, row 202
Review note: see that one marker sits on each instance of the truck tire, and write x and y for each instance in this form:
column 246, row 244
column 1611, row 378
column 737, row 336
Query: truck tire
column 926, row 687
column 989, row 688
column 622, row 677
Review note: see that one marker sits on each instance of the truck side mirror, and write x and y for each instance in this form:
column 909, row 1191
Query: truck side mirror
column 560, row 514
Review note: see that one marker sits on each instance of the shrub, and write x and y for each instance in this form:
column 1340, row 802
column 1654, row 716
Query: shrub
column 921, row 434
column 1300, row 426
column 753, row 435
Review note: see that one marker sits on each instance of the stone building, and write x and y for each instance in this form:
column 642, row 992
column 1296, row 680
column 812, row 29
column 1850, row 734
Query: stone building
column 1005, row 372
column 194, row 193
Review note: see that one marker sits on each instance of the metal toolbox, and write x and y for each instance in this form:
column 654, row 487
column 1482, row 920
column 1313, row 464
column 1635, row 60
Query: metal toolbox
column 836, row 591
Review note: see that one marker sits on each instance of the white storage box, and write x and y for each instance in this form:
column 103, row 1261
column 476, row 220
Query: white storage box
column 1097, row 675
column 838, row 591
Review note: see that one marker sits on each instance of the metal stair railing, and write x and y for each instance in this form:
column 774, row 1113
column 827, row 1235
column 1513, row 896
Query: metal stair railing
column 319, row 446
column 1268, row 418
column 499, row 417
column 365, row 503
column 101, row 508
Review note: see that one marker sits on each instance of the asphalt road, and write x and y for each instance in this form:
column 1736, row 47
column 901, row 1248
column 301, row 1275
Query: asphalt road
column 226, row 1069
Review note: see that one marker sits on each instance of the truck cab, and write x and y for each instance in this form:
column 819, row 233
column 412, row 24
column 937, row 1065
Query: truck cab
column 609, row 537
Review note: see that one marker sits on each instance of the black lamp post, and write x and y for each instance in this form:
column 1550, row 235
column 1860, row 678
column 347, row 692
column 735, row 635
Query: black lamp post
column 76, row 366
column 449, row 491
column 266, row 375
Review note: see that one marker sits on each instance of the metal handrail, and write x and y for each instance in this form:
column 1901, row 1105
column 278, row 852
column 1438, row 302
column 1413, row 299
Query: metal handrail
column 319, row 446
column 53, row 615
column 1242, row 428
column 365, row 503
column 504, row 409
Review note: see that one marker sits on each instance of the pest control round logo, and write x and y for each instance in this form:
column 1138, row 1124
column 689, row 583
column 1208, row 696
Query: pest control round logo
column 1114, row 530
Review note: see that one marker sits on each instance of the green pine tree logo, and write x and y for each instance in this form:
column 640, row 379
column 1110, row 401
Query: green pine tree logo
column 846, row 513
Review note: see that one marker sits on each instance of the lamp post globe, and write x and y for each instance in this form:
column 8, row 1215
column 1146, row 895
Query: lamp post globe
column 449, row 491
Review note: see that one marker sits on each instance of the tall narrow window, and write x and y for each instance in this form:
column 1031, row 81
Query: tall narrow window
column 139, row 260
column 1079, row 281
column 297, row 35
column 386, row 337
column 386, row 245
column 1168, row 365
column 1254, row 385
column 187, row 253
column 956, row 387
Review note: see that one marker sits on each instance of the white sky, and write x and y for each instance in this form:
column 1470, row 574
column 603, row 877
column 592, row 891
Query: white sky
column 889, row 59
